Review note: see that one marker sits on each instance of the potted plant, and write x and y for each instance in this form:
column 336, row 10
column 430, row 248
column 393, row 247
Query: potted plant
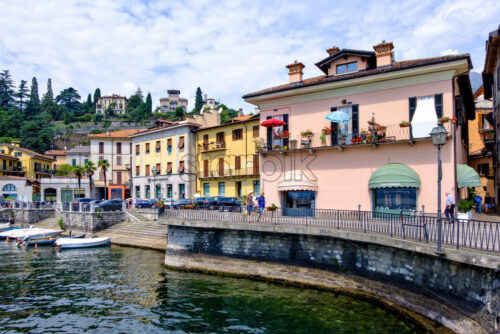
column 454, row 120
column 323, row 138
column 343, row 137
column 326, row 130
column 307, row 133
column 444, row 119
column 464, row 209
column 404, row 124
column 277, row 147
column 272, row 208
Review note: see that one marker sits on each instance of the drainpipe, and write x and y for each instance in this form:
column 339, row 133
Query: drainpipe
column 246, row 153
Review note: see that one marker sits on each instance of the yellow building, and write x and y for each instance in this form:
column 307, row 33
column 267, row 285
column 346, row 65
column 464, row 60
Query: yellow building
column 32, row 164
column 117, row 102
column 58, row 155
column 226, row 160
column 9, row 166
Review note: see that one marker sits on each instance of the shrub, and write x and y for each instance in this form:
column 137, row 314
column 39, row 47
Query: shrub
column 60, row 222
column 465, row 205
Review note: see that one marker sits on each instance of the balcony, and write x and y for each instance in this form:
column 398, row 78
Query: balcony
column 13, row 170
column 210, row 147
column 488, row 135
column 229, row 172
column 44, row 171
column 319, row 140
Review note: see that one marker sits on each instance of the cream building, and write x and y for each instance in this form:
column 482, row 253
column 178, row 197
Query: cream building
column 172, row 101
column 117, row 102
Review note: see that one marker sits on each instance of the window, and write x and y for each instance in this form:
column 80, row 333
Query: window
column 222, row 188
column 237, row 162
column 101, row 157
column 169, row 190
column 158, row 169
column 158, row 146
column 346, row 68
column 299, row 203
column 119, row 160
column 118, row 177
column 483, row 169
column 158, row 191
column 118, row 148
column 147, row 170
column 169, row 146
column 396, row 199
column 256, row 131
column 137, row 170
column 137, row 149
column 237, row 134
column 101, row 175
column 275, row 139
column 147, row 148
column 101, row 147
column 182, row 190
column 78, row 193
column 256, row 187
column 148, row 191
column 73, row 162
column 181, row 142
column 206, row 189
column 169, row 168
column 205, row 168
column 9, row 187
column 181, row 166
column 86, row 160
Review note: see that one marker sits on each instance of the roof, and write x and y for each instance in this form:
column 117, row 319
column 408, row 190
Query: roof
column 55, row 152
column 324, row 79
column 241, row 119
column 25, row 150
column 15, row 178
column 115, row 134
column 167, row 126
column 78, row 150
column 113, row 97
column 9, row 157
column 322, row 65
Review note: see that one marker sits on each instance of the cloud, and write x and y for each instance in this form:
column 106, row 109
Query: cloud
column 449, row 52
column 227, row 48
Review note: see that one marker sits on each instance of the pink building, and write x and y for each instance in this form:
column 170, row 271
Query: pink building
column 372, row 158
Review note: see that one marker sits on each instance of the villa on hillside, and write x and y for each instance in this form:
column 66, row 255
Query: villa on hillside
column 375, row 153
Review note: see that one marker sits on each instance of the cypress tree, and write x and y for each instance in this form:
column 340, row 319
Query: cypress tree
column 22, row 96
column 50, row 93
column 33, row 107
column 149, row 104
column 6, row 90
column 198, row 104
column 139, row 93
column 97, row 95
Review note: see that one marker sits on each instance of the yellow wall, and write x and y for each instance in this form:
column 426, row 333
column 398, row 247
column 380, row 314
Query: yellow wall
column 476, row 142
column 10, row 166
column 120, row 104
column 28, row 162
column 244, row 148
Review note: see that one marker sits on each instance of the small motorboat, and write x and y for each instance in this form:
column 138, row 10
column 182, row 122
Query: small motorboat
column 32, row 232
column 66, row 243
column 78, row 236
column 4, row 227
column 47, row 241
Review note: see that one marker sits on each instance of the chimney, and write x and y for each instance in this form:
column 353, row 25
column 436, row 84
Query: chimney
column 332, row 50
column 295, row 72
column 14, row 143
column 107, row 133
column 383, row 53
column 240, row 112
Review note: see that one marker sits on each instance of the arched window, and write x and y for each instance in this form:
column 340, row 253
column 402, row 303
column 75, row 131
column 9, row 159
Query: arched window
column 9, row 187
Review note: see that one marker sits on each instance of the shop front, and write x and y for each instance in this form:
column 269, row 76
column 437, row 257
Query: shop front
column 298, row 192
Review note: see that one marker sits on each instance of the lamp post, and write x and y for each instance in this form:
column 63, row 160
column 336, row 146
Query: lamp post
column 438, row 135
column 153, row 170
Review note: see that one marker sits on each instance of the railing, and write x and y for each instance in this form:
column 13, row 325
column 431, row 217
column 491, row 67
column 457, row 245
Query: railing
column 28, row 205
column 44, row 171
column 228, row 172
column 374, row 135
column 86, row 207
column 13, row 169
column 205, row 147
column 488, row 135
column 470, row 234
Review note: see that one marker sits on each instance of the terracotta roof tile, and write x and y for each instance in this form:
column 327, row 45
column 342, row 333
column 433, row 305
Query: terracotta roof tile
column 55, row 152
column 22, row 149
column 116, row 134
column 9, row 157
column 241, row 118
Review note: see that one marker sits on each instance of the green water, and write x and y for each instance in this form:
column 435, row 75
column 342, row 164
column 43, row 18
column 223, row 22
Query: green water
column 126, row 290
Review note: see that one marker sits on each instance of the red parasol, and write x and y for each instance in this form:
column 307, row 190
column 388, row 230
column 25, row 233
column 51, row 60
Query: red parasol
column 272, row 123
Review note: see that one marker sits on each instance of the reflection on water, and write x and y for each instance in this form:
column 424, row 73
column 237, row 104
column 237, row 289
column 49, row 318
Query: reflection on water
column 126, row 290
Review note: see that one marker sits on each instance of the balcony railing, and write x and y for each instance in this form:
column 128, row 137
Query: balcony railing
column 386, row 134
column 229, row 172
column 16, row 170
column 488, row 135
column 44, row 171
column 206, row 147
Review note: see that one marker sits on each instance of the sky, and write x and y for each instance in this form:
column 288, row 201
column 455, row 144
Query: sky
column 228, row 48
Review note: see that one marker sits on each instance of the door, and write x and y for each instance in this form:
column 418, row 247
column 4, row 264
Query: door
column 205, row 168
column 182, row 190
column 119, row 177
column 221, row 166
column 238, row 189
column 255, row 164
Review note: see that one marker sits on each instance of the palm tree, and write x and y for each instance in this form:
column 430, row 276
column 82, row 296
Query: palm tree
column 79, row 171
column 104, row 165
column 89, row 170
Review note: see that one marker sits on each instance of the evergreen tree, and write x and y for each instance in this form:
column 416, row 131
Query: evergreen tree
column 179, row 113
column 33, row 107
column 198, row 104
column 22, row 96
column 36, row 134
column 6, row 90
column 69, row 99
column 48, row 105
column 50, row 93
column 149, row 104
column 89, row 106
column 139, row 93
column 97, row 95
column 133, row 103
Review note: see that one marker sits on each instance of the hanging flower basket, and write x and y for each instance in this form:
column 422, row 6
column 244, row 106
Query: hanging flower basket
column 443, row 120
column 404, row 124
column 454, row 120
column 307, row 133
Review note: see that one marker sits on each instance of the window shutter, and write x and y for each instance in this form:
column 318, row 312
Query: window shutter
column 355, row 120
column 334, row 127
column 412, row 101
column 458, row 109
column 285, row 128
column 438, row 104
column 269, row 136
column 237, row 162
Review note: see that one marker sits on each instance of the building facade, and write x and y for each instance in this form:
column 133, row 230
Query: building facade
column 374, row 153
column 33, row 165
column 64, row 189
column 167, row 148
column 117, row 102
column 115, row 147
column 491, row 84
column 172, row 101
column 9, row 166
column 20, row 188
column 227, row 163
column 78, row 156
column 59, row 157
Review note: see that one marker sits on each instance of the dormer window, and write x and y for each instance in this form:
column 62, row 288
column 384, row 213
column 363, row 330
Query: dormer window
column 346, row 68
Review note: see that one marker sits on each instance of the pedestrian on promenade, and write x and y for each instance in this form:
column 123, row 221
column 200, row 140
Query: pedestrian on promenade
column 249, row 205
column 261, row 200
column 488, row 202
column 449, row 211
column 478, row 200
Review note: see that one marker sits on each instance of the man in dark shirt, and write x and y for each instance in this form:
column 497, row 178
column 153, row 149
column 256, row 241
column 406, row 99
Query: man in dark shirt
column 488, row 202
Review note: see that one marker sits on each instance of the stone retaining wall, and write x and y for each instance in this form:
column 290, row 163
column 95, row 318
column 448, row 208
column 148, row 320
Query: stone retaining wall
column 29, row 216
column 453, row 279
column 94, row 222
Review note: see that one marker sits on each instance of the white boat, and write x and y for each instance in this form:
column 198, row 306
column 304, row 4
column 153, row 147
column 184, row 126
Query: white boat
column 4, row 226
column 65, row 243
column 33, row 232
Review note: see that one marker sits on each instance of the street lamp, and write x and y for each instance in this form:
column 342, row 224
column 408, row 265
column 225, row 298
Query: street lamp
column 154, row 193
column 438, row 135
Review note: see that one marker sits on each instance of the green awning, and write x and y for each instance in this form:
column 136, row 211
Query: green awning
column 394, row 176
column 467, row 177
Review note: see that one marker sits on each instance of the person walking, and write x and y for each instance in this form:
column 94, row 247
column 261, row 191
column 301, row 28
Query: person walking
column 249, row 205
column 261, row 200
column 487, row 202
column 478, row 200
column 449, row 211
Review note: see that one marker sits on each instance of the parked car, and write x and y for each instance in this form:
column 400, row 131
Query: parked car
column 85, row 203
column 180, row 204
column 201, row 202
column 169, row 203
column 110, row 205
column 224, row 204
column 143, row 203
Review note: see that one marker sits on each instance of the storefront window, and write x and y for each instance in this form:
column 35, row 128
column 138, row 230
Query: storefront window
column 206, row 189
column 395, row 199
column 158, row 191
column 137, row 191
column 169, row 190
column 299, row 203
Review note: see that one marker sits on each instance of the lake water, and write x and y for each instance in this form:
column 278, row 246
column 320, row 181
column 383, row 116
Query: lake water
column 127, row 290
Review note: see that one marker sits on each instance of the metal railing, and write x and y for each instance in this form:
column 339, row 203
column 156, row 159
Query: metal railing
column 411, row 225
column 212, row 146
column 226, row 172
column 28, row 205
column 87, row 207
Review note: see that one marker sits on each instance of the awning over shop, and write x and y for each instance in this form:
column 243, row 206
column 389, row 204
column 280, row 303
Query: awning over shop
column 394, row 176
column 467, row 177
column 297, row 180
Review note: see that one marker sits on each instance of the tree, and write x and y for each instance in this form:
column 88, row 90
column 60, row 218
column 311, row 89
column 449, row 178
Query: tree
column 109, row 111
column 198, row 104
column 22, row 96
column 89, row 106
column 133, row 103
column 6, row 90
column 104, row 165
column 33, row 107
column 36, row 134
column 179, row 112
column 48, row 104
column 89, row 170
column 139, row 93
column 70, row 100
column 149, row 104
column 97, row 95
column 67, row 169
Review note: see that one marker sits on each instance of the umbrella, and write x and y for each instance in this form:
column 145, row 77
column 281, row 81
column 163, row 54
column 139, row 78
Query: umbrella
column 338, row 117
column 272, row 122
